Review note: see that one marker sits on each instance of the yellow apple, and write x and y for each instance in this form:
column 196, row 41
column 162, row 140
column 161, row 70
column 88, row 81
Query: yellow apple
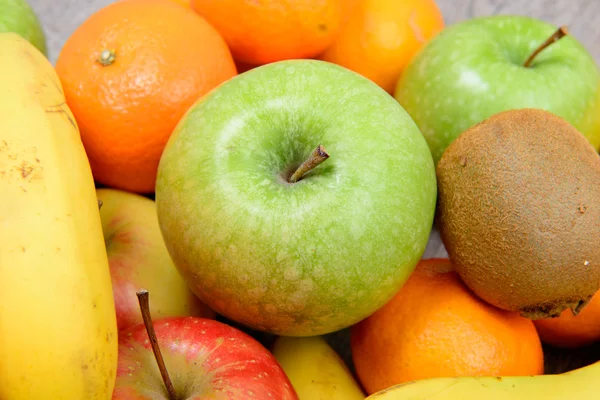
column 139, row 259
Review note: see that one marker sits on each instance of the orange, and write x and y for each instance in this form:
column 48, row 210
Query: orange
column 569, row 331
column 259, row 32
column 159, row 58
column 185, row 3
column 382, row 36
column 243, row 67
column 436, row 327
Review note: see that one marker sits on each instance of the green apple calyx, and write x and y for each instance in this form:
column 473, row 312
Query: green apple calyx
column 560, row 33
column 143, row 298
column 316, row 157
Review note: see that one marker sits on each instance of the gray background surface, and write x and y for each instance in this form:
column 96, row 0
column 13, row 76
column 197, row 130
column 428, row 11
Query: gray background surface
column 61, row 17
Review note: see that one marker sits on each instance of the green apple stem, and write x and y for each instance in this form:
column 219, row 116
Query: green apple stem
column 145, row 309
column 316, row 157
column 100, row 204
column 560, row 33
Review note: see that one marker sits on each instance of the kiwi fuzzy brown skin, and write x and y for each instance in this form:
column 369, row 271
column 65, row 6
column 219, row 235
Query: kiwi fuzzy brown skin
column 519, row 212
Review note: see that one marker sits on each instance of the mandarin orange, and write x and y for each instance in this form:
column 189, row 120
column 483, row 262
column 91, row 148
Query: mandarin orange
column 260, row 32
column 436, row 327
column 129, row 73
column 568, row 331
column 382, row 36
column 185, row 3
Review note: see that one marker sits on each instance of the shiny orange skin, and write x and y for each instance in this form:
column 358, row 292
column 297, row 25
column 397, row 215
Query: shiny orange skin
column 260, row 32
column 185, row 3
column 570, row 332
column 382, row 36
column 166, row 57
column 436, row 327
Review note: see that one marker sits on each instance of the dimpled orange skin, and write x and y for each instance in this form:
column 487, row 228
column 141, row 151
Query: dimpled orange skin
column 435, row 327
column 260, row 32
column 382, row 36
column 570, row 332
column 185, row 3
column 166, row 57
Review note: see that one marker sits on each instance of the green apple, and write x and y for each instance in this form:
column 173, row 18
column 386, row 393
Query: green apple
column 17, row 16
column 475, row 69
column 138, row 259
column 306, row 257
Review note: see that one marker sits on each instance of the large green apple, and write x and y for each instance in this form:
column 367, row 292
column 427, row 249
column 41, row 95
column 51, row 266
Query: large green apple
column 303, row 258
column 475, row 69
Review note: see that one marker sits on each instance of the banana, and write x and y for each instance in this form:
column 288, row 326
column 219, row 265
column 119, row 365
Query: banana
column 579, row 384
column 315, row 370
column 58, row 329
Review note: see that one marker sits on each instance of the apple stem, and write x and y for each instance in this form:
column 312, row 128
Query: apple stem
column 560, row 33
column 145, row 309
column 316, row 157
column 100, row 204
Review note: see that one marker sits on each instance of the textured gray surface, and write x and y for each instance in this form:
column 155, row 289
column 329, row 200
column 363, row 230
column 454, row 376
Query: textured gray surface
column 61, row 17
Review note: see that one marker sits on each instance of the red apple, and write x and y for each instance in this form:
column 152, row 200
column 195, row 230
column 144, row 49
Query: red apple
column 205, row 359
column 138, row 258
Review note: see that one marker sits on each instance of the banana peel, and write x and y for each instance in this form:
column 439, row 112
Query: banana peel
column 579, row 384
column 315, row 369
column 58, row 329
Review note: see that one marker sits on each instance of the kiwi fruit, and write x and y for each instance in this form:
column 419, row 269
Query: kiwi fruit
column 519, row 212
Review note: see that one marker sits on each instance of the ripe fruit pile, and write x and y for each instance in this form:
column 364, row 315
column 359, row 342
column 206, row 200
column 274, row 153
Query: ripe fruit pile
column 198, row 193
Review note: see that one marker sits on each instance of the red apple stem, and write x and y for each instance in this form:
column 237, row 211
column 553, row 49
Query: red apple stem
column 556, row 36
column 316, row 157
column 145, row 309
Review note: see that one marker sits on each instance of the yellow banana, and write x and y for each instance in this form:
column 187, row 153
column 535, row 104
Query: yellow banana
column 579, row 384
column 315, row 370
column 58, row 330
